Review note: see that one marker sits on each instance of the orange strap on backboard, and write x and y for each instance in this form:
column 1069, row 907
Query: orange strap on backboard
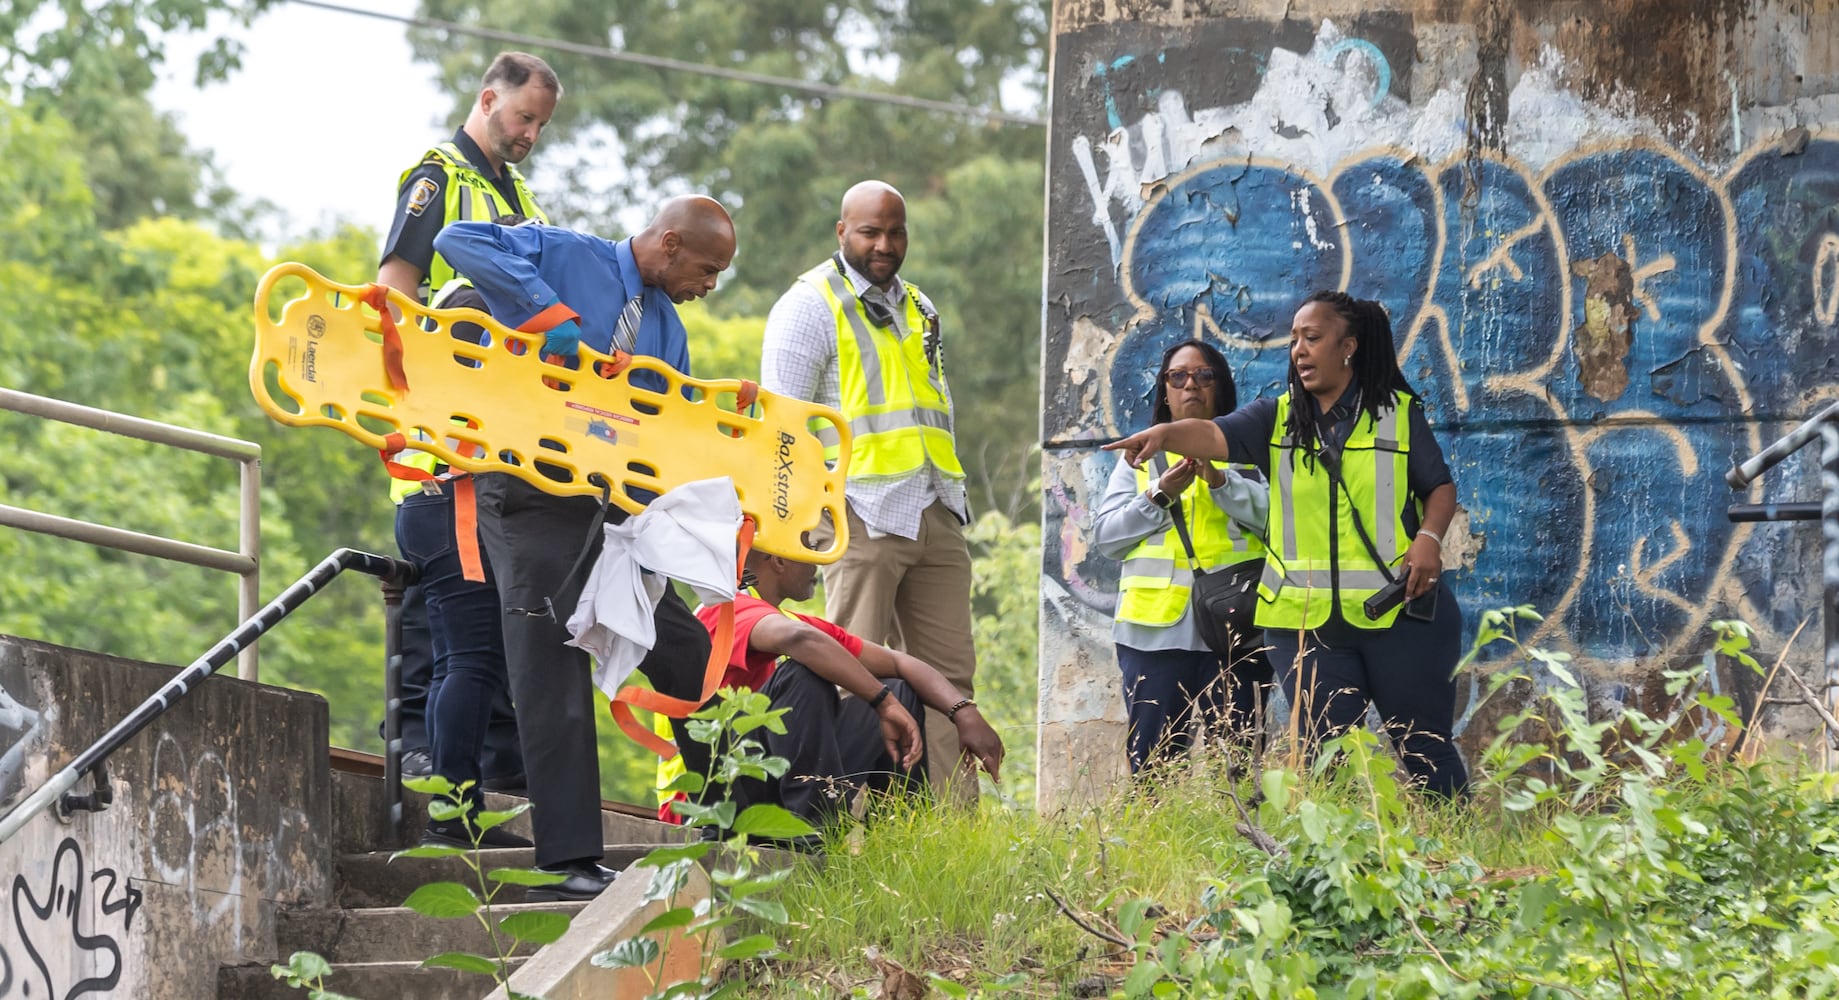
column 466, row 529
column 721, row 647
column 378, row 297
column 393, row 444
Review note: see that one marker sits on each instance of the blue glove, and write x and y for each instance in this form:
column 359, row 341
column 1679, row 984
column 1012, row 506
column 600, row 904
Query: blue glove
column 564, row 338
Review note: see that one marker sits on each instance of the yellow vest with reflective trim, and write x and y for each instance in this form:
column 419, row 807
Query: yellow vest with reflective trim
column 1317, row 557
column 469, row 197
column 1156, row 580
column 897, row 405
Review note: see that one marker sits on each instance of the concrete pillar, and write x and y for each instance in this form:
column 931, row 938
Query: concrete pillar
column 1606, row 232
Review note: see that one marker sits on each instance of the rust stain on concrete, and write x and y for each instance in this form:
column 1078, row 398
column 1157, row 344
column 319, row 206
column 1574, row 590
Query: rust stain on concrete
column 1601, row 342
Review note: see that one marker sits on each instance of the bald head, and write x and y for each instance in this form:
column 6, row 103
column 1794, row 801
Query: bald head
column 871, row 231
column 867, row 196
column 688, row 243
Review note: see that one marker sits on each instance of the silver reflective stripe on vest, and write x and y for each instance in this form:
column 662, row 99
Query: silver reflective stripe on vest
column 1385, row 480
column 1323, row 579
column 882, row 423
column 1272, row 580
column 466, row 203
column 1160, row 569
column 1286, row 481
column 865, row 341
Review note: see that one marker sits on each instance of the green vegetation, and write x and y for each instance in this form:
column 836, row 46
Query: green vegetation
column 742, row 887
column 457, row 900
column 1596, row 859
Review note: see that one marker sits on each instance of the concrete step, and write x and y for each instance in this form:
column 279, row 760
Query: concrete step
column 368, row 980
column 392, row 933
column 359, row 825
column 373, row 880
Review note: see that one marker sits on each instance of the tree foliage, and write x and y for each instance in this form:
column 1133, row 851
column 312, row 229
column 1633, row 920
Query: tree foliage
column 780, row 159
column 153, row 320
column 91, row 65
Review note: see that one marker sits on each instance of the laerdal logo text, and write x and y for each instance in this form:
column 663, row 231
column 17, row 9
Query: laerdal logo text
column 312, row 361
column 782, row 477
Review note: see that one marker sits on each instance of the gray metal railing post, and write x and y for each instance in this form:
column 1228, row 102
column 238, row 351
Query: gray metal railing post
column 249, row 544
column 393, row 587
column 1829, row 527
column 245, row 562
column 1825, row 426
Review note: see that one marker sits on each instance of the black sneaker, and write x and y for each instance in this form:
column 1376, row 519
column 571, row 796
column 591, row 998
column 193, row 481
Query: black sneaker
column 453, row 833
column 417, row 763
column 585, row 880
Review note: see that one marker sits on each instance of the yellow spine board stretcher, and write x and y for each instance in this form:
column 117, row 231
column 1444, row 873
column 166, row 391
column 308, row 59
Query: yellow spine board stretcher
column 326, row 362
column 332, row 360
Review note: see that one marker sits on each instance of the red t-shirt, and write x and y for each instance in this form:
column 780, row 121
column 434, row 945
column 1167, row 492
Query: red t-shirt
column 752, row 668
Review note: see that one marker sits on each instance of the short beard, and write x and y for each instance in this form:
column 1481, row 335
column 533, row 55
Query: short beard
column 863, row 267
column 503, row 146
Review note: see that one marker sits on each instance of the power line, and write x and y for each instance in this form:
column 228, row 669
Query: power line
column 678, row 65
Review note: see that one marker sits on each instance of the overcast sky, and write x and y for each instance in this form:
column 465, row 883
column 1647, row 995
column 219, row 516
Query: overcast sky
column 326, row 113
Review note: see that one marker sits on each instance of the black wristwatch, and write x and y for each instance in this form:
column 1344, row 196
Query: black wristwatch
column 1159, row 498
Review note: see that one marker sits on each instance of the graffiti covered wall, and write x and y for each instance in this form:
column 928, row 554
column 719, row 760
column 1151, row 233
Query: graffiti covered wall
column 1608, row 237
column 219, row 817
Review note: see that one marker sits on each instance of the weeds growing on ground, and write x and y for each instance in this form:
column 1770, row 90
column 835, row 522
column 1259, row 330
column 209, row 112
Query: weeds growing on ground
column 1597, row 857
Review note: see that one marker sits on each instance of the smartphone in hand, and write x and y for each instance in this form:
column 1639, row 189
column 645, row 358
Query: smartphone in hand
column 1423, row 608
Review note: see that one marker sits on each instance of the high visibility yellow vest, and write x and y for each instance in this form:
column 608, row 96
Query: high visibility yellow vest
column 895, row 401
column 469, row 197
column 1157, row 577
column 1317, row 557
column 669, row 768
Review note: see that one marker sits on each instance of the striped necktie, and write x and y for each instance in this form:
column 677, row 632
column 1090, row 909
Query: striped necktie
column 626, row 331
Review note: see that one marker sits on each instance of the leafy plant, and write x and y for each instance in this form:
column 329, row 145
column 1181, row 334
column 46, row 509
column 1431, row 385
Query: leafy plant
column 308, row 971
column 458, row 901
column 741, row 885
column 1662, row 876
column 454, row 900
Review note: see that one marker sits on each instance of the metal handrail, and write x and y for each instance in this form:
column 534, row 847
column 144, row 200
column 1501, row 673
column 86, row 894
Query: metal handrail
column 245, row 562
column 395, row 575
column 1825, row 426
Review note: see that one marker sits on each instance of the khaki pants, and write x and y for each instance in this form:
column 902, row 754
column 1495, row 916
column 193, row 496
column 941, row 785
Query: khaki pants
column 914, row 595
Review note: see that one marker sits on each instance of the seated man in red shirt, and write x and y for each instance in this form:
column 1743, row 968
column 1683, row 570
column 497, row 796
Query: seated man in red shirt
column 833, row 744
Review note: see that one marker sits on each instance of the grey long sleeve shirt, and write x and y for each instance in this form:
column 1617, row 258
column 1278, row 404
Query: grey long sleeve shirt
column 1125, row 517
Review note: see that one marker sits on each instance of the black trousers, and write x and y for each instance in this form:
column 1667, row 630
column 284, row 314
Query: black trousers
column 1405, row 671
column 832, row 743
column 533, row 539
column 502, row 757
column 1165, row 689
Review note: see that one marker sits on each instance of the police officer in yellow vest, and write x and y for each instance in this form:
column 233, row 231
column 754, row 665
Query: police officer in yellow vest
column 1360, row 496
column 472, row 176
column 851, row 334
column 1170, row 675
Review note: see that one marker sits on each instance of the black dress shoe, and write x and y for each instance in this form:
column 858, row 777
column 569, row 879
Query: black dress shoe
column 417, row 763
column 586, row 879
column 453, row 833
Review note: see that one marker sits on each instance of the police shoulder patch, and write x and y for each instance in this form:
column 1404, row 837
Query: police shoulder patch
column 422, row 195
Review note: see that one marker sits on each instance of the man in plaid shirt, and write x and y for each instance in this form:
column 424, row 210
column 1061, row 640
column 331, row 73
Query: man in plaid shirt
column 850, row 334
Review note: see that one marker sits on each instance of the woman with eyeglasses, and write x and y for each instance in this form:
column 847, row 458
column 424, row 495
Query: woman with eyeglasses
column 1353, row 606
column 1171, row 678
